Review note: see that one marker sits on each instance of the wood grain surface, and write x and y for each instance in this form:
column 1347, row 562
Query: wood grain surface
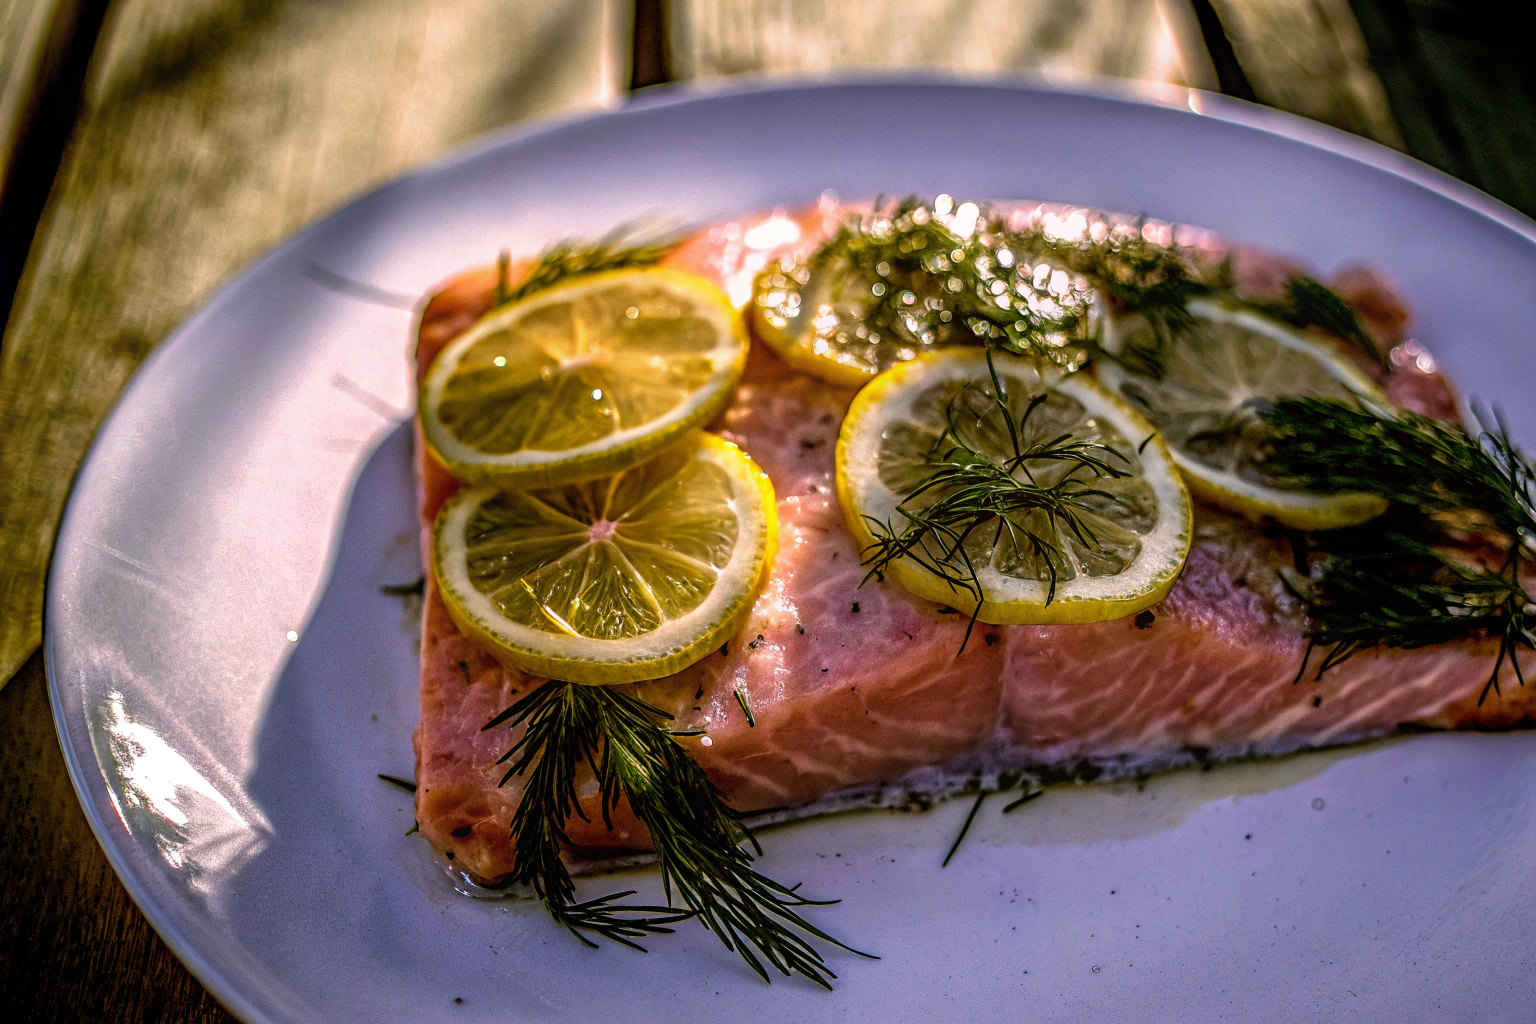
column 1149, row 40
column 30, row 32
column 212, row 129
column 1308, row 57
column 1462, row 85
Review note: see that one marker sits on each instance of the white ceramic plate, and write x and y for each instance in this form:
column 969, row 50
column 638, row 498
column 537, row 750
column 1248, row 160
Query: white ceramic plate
column 255, row 479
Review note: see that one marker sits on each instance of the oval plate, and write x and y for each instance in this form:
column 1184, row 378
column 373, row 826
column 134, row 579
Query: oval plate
column 254, row 484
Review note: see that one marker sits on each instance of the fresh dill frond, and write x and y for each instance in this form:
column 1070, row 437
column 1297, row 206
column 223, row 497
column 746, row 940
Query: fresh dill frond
column 967, row 493
column 1445, row 563
column 1414, row 460
column 1137, row 275
column 1401, row 586
column 912, row 275
column 1310, row 303
column 698, row 842
column 1146, row 277
column 1158, row 280
column 620, row 250
column 966, row 828
column 746, row 709
column 634, row 757
column 561, row 732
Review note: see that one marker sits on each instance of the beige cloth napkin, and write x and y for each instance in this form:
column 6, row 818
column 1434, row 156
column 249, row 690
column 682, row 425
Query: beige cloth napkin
column 211, row 130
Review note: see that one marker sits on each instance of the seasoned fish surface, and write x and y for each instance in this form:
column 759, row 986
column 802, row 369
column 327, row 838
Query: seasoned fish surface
column 851, row 686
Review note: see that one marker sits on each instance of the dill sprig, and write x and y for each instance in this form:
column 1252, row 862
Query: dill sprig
column 619, row 250
column 966, row 491
column 1158, row 281
column 1310, row 303
column 698, row 842
column 906, row 275
column 1446, row 562
column 697, row 838
column 1414, row 460
column 563, row 731
column 1143, row 276
column 1403, row 587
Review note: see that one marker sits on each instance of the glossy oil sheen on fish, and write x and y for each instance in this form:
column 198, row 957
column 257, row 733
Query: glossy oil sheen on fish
column 860, row 689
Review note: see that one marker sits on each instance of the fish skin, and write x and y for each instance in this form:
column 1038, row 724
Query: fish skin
column 854, row 684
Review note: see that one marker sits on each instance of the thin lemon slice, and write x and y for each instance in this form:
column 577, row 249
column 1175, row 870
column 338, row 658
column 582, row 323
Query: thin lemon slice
column 627, row 577
column 584, row 379
column 1203, row 389
column 1132, row 530
column 833, row 316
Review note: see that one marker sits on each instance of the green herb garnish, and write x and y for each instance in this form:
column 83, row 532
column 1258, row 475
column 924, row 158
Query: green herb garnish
column 1310, row 303
column 1158, row 281
column 620, row 250
column 966, row 491
column 1446, row 563
column 1144, row 277
column 966, row 828
column 913, row 275
column 697, row 838
column 563, row 731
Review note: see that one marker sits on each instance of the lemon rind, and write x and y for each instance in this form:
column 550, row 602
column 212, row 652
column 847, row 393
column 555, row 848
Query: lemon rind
column 661, row 652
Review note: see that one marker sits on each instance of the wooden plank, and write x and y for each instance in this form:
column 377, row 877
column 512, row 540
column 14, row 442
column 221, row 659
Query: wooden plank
column 30, row 34
column 1463, row 87
column 1308, row 57
column 212, row 129
column 1151, row 40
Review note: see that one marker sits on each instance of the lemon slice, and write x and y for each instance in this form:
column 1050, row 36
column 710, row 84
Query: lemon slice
column 821, row 319
column 587, row 378
column 1132, row 530
column 814, row 321
column 627, row 577
column 1216, row 375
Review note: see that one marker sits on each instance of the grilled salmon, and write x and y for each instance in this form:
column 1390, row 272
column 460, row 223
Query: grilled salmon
column 864, row 691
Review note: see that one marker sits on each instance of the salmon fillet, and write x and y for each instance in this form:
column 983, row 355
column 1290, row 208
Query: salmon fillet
column 858, row 692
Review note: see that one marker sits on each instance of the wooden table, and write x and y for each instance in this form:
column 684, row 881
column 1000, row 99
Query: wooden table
column 208, row 131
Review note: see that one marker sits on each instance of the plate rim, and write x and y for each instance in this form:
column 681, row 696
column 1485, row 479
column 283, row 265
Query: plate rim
column 96, row 804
